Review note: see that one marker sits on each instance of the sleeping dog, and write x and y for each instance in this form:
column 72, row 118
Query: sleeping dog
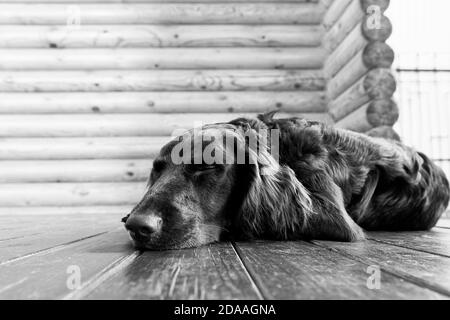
column 235, row 180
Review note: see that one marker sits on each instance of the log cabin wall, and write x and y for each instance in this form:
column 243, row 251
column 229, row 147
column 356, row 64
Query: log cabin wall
column 360, row 83
column 83, row 110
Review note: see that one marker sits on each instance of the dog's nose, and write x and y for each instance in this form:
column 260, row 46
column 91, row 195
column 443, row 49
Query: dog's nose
column 142, row 227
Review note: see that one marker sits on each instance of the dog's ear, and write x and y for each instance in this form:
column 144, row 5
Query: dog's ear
column 277, row 204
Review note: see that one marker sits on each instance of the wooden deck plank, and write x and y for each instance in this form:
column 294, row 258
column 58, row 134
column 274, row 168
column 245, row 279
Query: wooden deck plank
column 47, row 275
column 436, row 241
column 444, row 223
column 210, row 272
column 424, row 269
column 28, row 235
column 23, row 225
column 300, row 270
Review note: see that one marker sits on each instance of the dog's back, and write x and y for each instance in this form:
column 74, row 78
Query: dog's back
column 385, row 184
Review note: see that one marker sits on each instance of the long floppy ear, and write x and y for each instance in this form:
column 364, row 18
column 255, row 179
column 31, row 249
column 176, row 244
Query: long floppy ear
column 277, row 204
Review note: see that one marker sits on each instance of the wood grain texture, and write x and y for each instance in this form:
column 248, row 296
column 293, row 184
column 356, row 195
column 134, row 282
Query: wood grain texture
column 166, row 58
column 444, row 223
column 349, row 18
column 345, row 51
column 71, row 194
column 150, row 1
column 319, row 274
column 348, row 75
column 376, row 84
column 148, row 36
column 210, row 272
column 81, row 148
column 117, row 125
column 436, row 241
column 162, row 80
column 382, row 112
column 381, row 33
column 424, row 269
column 56, row 235
column 29, row 225
column 45, row 276
column 386, row 132
column 75, row 171
column 333, row 13
column 39, row 211
column 162, row 102
column 165, row 13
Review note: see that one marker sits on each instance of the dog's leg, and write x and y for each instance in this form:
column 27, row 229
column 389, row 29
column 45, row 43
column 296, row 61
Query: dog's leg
column 330, row 221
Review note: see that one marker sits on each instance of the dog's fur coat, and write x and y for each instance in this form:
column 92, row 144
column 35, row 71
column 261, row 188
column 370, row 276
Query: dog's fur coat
column 329, row 184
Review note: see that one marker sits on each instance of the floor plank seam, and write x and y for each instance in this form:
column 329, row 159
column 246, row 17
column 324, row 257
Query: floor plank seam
column 50, row 249
column 410, row 248
column 402, row 275
column 95, row 281
column 255, row 280
column 19, row 237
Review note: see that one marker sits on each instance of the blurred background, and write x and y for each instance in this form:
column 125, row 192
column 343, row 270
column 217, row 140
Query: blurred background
column 421, row 40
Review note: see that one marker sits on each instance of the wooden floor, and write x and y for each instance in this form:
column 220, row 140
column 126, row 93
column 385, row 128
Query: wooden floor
column 45, row 256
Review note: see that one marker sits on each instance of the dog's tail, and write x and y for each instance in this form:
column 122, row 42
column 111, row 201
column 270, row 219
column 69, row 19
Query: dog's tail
column 434, row 187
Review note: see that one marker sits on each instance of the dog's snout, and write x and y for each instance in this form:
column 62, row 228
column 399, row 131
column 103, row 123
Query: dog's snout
column 142, row 227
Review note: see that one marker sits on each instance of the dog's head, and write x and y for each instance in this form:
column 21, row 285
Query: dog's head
column 209, row 181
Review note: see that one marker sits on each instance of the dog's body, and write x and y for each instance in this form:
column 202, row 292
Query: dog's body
column 328, row 184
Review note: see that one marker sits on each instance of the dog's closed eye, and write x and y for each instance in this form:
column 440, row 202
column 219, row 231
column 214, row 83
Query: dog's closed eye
column 202, row 169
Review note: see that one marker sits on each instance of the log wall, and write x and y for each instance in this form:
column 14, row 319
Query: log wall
column 84, row 109
column 360, row 84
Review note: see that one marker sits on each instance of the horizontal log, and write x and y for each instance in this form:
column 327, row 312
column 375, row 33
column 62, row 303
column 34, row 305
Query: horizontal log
column 162, row 102
column 115, row 125
column 143, row 36
column 163, row 80
column 355, row 42
column 334, row 12
column 71, row 194
column 147, row 1
column 373, row 114
column 351, row 42
column 374, row 55
column 81, row 148
column 377, row 84
column 74, row 171
column 167, row 58
column 351, row 16
column 326, row 3
column 164, row 13
column 66, row 211
column 386, row 132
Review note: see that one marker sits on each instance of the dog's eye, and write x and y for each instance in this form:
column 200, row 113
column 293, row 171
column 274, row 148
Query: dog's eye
column 204, row 167
column 201, row 168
